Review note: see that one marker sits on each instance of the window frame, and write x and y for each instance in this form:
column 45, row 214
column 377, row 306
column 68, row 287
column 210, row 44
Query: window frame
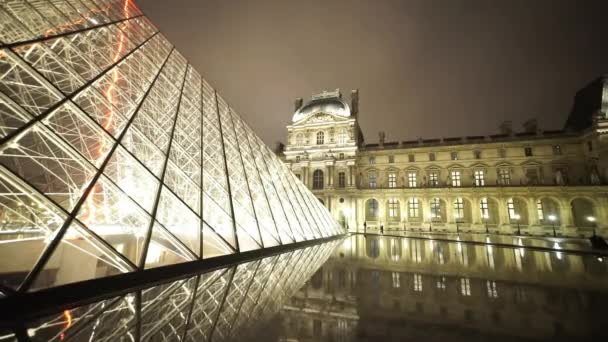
column 392, row 180
column 456, row 178
column 320, row 138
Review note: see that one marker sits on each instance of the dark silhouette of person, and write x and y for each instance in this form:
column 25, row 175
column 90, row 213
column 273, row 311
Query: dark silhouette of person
column 364, row 227
column 381, row 229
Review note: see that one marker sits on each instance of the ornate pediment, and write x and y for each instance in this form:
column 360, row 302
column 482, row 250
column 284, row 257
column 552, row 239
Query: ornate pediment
column 321, row 118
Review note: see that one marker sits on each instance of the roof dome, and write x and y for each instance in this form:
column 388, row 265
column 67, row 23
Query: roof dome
column 329, row 103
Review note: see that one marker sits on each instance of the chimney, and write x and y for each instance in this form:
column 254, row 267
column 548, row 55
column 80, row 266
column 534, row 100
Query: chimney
column 530, row 126
column 381, row 137
column 354, row 101
column 297, row 104
column 506, row 127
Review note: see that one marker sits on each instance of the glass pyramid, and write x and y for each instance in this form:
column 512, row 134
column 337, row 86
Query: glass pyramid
column 117, row 156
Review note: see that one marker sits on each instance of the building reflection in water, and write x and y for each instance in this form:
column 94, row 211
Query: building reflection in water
column 359, row 289
column 380, row 288
column 226, row 304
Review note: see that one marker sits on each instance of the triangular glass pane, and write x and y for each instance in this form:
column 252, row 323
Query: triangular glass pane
column 213, row 244
column 218, row 219
column 246, row 241
column 32, row 222
column 132, row 178
column 181, row 221
column 80, row 132
column 165, row 250
column 79, row 256
column 116, row 218
column 44, row 161
column 183, row 186
column 12, row 116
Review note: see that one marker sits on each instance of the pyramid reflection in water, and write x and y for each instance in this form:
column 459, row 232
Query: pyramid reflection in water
column 223, row 305
column 117, row 156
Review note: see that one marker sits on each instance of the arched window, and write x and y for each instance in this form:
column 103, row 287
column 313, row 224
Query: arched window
column 371, row 210
column 583, row 212
column 300, row 139
column 320, row 138
column 317, row 179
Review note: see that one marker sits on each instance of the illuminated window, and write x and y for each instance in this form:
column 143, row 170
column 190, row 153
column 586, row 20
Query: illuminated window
column 342, row 136
column 441, row 283
column 317, row 179
column 372, row 160
column 454, row 155
column 392, row 180
column 492, row 289
column 341, row 179
column 411, row 179
column 539, row 210
column 372, row 179
column 504, row 176
column 483, row 206
column 511, row 208
column 320, row 138
column 418, row 282
column 393, row 209
column 455, row 178
column 465, row 287
column 434, row 178
column 435, row 208
column 459, row 208
column 413, row 207
column 479, row 178
column 396, row 280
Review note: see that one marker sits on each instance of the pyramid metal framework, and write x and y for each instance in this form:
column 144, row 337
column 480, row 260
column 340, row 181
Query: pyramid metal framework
column 228, row 304
column 117, row 156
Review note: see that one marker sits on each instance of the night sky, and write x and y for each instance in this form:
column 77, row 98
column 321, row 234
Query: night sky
column 427, row 68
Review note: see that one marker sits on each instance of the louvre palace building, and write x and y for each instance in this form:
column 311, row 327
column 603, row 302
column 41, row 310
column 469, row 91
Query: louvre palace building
column 526, row 181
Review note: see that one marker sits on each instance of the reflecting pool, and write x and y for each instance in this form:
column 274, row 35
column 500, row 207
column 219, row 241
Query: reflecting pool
column 361, row 288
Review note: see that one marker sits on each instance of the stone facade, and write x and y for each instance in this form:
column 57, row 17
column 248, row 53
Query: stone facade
column 533, row 181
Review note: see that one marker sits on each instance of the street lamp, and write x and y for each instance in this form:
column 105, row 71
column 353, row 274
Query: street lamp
column 552, row 218
column 430, row 216
column 591, row 220
column 516, row 217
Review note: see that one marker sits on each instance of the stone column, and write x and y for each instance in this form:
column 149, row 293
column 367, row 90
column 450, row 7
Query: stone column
column 426, row 209
column 476, row 211
column 305, row 176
